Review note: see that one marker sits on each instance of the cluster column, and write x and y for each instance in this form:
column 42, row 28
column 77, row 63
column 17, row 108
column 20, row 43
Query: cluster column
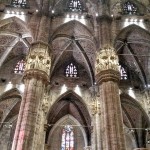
column 36, row 78
column 107, row 75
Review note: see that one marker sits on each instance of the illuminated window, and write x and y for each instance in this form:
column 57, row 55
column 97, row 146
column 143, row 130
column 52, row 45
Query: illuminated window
column 67, row 141
column 123, row 74
column 129, row 8
column 20, row 67
column 19, row 3
column 75, row 5
column 71, row 70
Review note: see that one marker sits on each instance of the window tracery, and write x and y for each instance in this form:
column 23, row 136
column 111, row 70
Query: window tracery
column 71, row 70
column 123, row 73
column 19, row 3
column 129, row 8
column 20, row 67
column 75, row 5
column 67, row 141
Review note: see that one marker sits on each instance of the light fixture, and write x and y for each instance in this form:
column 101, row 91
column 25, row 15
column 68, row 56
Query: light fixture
column 8, row 12
column 53, row 11
column 82, row 17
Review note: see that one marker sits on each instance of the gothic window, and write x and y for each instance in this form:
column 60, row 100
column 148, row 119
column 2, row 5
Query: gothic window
column 67, row 141
column 20, row 67
column 71, row 70
column 129, row 8
column 19, row 3
column 123, row 73
column 75, row 5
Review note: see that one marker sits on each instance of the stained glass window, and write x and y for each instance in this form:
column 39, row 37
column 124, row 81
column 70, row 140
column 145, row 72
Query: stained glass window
column 20, row 67
column 75, row 5
column 67, row 142
column 19, row 3
column 71, row 70
column 129, row 8
column 123, row 73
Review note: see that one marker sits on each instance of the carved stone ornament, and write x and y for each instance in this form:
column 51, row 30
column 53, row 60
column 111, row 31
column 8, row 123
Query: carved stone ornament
column 39, row 58
column 106, row 59
column 45, row 104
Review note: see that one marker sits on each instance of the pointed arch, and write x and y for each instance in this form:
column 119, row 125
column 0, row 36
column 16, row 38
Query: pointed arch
column 68, row 120
column 127, row 45
column 70, row 103
column 131, row 108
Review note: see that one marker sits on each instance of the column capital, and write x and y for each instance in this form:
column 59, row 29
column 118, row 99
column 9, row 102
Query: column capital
column 107, row 67
column 38, row 62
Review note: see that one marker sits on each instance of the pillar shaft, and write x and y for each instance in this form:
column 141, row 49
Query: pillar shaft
column 108, row 76
column 27, row 132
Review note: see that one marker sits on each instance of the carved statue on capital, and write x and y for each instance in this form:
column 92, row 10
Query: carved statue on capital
column 39, row 58
column 106, row 59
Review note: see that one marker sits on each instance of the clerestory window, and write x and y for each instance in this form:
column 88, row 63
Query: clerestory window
column 75, row 5
column 71, row 70
column 20, row 67
column 67, row 141
column 19, row 3
column 129, row 8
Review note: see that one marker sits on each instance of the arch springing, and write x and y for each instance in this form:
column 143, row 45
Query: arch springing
column 67, row 141
column 20, row 67
column 129, row 8
column 71, row 70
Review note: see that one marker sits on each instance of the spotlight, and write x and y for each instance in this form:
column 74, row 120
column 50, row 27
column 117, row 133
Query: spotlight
column 8, row 12
column 82, row 17
column 141, row 20
column 76, row 17
column 96, row 14
column 12, row 12
column 53, row 11
column 17, row 13
column 22, row 13
column 131, row 20
column 37, row 10
column 67, row 15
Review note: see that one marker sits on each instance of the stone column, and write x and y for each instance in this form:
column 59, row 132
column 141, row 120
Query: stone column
column 36, row 78
column 107, row 75
column 104, row 22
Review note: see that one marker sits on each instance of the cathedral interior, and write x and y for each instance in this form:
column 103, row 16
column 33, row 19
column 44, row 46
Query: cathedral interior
column 74, row 75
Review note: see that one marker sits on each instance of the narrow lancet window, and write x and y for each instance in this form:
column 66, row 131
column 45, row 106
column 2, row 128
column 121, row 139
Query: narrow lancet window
column 19, row 3
column 67, row 141
column 71, row 70
column 129, row 8
column 20, row 67
column 123, row 73
column 74, row 5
